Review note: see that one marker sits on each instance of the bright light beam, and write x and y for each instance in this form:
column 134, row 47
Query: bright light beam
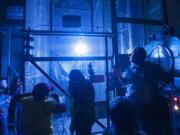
column 81, row 48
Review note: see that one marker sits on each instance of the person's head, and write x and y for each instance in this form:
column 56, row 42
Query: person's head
column 138, row 55
column 76, row 76
column 122, row 113
column 3, row 83
column 41, row 91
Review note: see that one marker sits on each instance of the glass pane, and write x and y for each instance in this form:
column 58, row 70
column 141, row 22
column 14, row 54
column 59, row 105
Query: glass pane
column 148, row 9
column 33, row 76
column 37, row 14
column 69, row 16
column 153, row 9
column 132, row 35
column 59, row 72
column 56, row 46
column 130, row 8
column 129, row 36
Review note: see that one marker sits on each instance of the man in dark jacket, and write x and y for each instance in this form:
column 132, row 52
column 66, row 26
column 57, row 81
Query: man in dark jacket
column 143, row 79
column 82, row 94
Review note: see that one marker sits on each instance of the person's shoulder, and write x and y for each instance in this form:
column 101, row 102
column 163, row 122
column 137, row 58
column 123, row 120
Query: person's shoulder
column 87, row 81
column 26, row 100
column 50, row 101
column 150, row 64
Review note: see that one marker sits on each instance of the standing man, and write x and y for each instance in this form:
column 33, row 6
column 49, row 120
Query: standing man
column 82, row 95
column 143, row 79
column 4, row 104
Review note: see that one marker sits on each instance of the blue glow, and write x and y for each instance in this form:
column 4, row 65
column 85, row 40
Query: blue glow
column 81, row 48
column 158, row 53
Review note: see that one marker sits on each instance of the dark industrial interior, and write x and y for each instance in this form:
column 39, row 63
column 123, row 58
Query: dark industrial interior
column 43, row 40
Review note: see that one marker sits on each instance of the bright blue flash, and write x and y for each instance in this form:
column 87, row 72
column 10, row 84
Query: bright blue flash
column 81, row 48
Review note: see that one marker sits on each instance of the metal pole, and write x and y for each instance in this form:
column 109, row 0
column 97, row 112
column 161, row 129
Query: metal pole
column 9, row 59
column 140, row 21
column 9, row 47
column 67, row 58
column 100, row 124
column 114, row 30
column 144, row 26
column 69, row 33
column 107, row 81
column 92, row 18
column 165, row 13
column 1, row 53
column 24, row 27
column 51, row 15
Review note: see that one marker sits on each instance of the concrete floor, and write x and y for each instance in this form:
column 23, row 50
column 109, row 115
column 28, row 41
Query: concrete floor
column 61, row 126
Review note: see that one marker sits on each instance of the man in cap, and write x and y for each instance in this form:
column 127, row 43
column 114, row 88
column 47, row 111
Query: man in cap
column 38, row 110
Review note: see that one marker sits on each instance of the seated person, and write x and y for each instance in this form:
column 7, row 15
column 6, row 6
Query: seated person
column 38, row 109
column 145, row 81
column 4, row 104
column 123, row 118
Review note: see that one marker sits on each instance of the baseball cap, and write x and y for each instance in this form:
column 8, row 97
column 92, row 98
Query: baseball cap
column 41, row 90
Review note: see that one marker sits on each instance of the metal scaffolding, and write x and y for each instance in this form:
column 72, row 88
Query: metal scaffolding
column 106, row 35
